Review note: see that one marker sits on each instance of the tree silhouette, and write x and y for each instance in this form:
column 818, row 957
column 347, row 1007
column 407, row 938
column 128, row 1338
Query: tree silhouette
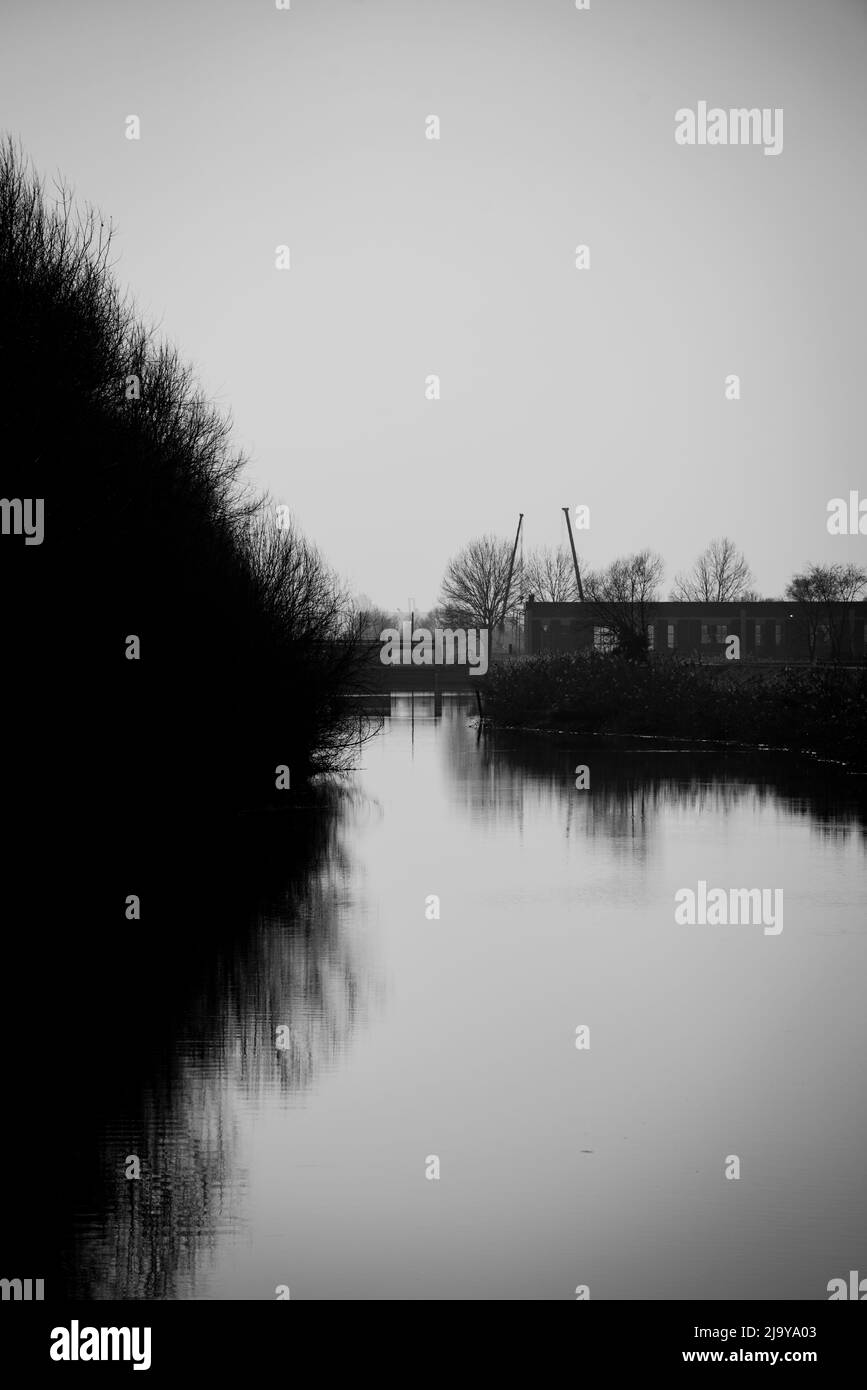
column 623, row 593
column 549, row 575
column 474, row 589
column 719, row 575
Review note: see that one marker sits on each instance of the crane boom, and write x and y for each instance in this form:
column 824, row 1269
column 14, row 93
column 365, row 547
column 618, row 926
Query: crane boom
column 511, row 567
column 574, row 557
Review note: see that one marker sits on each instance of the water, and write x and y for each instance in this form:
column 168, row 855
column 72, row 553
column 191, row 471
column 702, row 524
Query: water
column 408, row 1037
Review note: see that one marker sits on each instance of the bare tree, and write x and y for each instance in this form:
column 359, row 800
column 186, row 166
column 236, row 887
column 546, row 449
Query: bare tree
column 824, row 595
column 310, row 624
column 719, row 575
column 372, row 619
column 801, row 590
column 297, row 590
column 474, row 587
column 549, row 576
column 622, row 594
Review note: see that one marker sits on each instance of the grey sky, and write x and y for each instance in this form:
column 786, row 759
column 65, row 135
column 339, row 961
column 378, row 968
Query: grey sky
column 457, row 257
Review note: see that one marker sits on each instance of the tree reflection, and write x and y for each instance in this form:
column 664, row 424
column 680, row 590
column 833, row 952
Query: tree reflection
column 279, row 957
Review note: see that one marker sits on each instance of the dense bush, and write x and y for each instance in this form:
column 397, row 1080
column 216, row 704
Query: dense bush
column 135, row 777
column 821, row 709
column 247, row 639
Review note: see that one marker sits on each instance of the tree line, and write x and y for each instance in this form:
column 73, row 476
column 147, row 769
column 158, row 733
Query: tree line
column 245, row 639
column 477, row 590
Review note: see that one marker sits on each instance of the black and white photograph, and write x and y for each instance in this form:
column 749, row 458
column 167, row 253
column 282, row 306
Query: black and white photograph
column 434, row 642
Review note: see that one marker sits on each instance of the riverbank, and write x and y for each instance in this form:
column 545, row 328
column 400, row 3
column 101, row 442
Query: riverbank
column 818, row 710
column 174, row 633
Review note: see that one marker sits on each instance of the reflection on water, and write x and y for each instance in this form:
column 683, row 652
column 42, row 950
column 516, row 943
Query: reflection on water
column 405, row 1037
column 293, row 968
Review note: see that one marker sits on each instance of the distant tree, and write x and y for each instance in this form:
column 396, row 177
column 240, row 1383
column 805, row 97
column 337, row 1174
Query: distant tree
column 824, row 594
column 622, row 594
column 373, row 620
column 549, row 575
column 802, row 591
column 719, row 575
column 429, row 620
column 474, row 587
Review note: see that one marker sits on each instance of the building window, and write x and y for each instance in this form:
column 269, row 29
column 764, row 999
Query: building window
column 671, row 635
column 705, row 634
column 758, row 634
column 651, row 637
column 604, row 639
column 778, row 634
column 721, row 632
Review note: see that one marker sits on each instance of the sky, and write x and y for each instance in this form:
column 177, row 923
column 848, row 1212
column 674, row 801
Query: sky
column 409, row 257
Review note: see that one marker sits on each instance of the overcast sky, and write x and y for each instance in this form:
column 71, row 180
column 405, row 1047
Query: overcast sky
column 410, row 256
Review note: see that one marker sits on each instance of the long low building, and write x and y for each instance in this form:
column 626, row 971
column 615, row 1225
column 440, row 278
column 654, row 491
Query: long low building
column 774, row 630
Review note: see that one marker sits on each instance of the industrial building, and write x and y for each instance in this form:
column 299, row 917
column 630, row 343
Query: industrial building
column 769, row 630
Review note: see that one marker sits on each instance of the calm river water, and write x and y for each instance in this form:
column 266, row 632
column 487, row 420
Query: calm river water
column 406, row 1037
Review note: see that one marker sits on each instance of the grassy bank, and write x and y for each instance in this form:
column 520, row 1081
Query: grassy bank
column 821, row 710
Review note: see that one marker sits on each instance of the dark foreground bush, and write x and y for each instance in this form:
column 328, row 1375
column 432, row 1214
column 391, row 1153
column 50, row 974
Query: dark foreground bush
column 247, row 640
column 139, row 840
column 819, row 709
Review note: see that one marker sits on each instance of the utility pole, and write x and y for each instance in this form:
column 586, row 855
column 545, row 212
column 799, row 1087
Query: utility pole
column 574, row 557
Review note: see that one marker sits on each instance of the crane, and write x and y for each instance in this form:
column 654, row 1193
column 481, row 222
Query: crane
column 574, row 557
